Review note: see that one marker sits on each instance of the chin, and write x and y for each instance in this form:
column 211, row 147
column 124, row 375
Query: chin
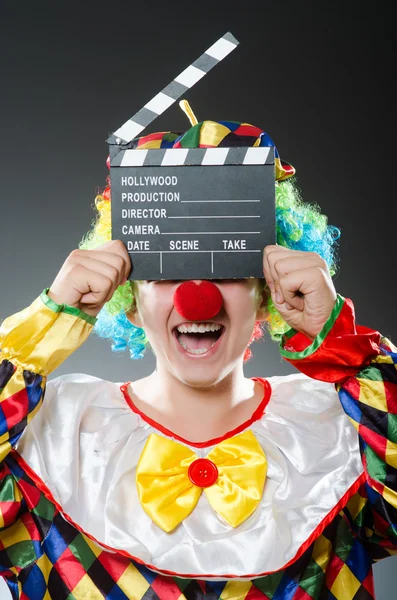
column 202, row 378
column 199, row 383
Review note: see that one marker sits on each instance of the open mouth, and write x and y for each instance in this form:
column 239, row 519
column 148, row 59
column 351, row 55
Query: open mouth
column 198, row 338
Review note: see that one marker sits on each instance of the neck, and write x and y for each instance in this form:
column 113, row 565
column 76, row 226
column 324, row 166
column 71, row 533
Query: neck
column 197, row 413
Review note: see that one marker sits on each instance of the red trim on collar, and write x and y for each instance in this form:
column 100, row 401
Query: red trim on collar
column 256, row 415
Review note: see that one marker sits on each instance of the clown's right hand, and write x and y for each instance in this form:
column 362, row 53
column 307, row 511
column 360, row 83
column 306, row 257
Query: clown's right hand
column 88, row 278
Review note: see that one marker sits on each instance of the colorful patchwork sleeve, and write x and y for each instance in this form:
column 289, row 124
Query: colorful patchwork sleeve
column 33, row 343
column 362, row 365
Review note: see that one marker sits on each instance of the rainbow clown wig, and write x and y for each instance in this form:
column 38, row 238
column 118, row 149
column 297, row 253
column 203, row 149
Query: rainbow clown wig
column 299, row 226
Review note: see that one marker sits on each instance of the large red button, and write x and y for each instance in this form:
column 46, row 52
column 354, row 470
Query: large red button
column 203, row 472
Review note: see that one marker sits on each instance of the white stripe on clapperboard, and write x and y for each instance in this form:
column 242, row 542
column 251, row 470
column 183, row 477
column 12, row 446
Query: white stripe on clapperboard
column 187, row 79
column 177, row 157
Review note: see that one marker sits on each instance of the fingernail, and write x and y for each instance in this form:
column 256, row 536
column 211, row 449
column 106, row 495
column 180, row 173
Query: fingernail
column 278, row 298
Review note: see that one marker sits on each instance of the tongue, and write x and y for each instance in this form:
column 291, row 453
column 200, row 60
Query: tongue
column 196, row 341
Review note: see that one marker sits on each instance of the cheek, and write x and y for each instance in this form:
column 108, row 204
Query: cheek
column 240, row 304
column 154, row 308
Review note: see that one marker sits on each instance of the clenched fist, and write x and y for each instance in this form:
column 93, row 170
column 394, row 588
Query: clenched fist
column 88, row 278
column 301, row 287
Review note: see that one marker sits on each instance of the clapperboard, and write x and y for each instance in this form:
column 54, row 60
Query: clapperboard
column 203, row 213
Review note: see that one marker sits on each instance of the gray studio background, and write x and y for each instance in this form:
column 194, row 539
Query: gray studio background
column 317, row 78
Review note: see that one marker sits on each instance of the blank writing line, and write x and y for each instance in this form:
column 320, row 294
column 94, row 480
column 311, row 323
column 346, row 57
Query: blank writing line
column 208, row 232
column 191, row 201
column 221, row 217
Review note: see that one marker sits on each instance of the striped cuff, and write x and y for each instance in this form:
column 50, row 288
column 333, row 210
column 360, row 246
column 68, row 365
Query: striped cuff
column 65, row 308
column 340, row 350
column 296, row 346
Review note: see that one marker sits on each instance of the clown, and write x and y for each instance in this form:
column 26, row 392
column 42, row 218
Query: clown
column 196, row 482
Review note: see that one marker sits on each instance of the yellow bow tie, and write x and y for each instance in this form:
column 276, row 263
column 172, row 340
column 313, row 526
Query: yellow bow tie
column 170, row 479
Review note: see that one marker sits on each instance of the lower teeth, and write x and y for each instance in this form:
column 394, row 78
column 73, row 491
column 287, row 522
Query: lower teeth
column 196, row 350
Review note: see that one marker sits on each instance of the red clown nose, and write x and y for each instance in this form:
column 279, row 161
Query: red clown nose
column 198, row 301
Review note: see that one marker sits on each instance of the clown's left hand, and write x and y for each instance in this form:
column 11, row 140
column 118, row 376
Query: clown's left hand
column 301, row 287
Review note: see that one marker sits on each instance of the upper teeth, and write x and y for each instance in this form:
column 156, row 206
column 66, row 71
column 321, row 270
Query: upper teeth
column 198, row 327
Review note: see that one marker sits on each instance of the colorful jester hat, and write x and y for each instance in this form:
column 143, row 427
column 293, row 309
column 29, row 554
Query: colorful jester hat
column 213, row 134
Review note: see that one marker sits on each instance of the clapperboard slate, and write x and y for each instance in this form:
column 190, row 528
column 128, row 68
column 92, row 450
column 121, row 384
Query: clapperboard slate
column 203, row 213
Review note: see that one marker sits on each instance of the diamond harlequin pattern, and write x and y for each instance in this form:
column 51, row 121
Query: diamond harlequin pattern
column 68, row 565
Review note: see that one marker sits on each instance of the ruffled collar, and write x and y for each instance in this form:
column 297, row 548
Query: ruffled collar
column 85, row 443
